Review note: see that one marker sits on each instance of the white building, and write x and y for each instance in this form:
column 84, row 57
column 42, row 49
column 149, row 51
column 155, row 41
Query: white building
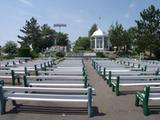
column 99, row 41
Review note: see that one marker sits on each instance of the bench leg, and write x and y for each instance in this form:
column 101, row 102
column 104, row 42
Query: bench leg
column 145, row 108
column 18, row 80
column 109, row 80
column 117, row 90
column 89, row 110
column 117, row 87
column 136, row 100
column 113, row 88
column 2, row 107
column 89, row 105
column 14, row 103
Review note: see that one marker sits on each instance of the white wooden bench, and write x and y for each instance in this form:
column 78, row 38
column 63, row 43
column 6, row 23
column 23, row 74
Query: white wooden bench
column 56, row 80
column 149, row 94
column 141, row 80
column 14, row 94
column 73, row 73
column 112, row 75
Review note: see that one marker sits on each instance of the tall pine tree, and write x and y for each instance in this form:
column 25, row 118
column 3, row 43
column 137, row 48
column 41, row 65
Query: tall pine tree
column 32, row 35
column 148, row 30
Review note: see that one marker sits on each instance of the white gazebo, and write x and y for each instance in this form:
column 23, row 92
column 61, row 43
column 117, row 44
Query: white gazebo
column 99, row 41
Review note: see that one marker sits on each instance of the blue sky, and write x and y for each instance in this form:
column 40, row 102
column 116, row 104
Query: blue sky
column 79, row 15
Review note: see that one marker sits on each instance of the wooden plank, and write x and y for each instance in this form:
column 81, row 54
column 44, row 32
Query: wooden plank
column 42, row 89
column 54, row 84
column 138, row 84
column 55, row 77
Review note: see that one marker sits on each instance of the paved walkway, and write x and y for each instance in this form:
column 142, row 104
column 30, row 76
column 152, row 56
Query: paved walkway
column 107, row 106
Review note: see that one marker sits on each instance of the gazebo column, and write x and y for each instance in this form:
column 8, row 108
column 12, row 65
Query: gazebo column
column 95, row 43
column 103, row 43
column 108, row 43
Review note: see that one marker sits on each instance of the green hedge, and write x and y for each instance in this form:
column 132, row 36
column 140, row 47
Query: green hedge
column 100, row 55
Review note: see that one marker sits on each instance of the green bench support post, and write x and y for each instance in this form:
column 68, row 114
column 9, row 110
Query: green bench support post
column 139, row 65
column 84, row 72
column 96, row 66
column 137, row 98
column 143, row 97
column 145, row 101
column 25, row 71
column 109, row 81
column 104, row 73
column 48, row 64
column 117, row 86
column 128, row 63
column 25, row 81
column 99, row 71
column 51, row 63
column 142, row 69
column 41, row 66
column 18, row 79
column 36, row 70
column 145, row 68
column 90, row 102
column 45, row 66
column 85, row 81
column 14, row 63
column 2, row 101
column 133, row 65
column 13, row 77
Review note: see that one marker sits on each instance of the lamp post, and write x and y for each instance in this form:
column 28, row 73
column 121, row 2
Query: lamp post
column 59, row 26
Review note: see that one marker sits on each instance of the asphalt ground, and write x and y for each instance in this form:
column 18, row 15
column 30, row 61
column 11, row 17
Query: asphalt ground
column 106, row 105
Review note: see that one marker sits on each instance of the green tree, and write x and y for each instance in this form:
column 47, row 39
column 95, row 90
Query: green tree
column 132, row 32
column 24, row 51
column 129, row 38
column 10, row 48
column 92, row 30
column 62, row 39
column 82, row 43
column 48, row 36
column 116, row 35
column 32, row 35
column 148, row 28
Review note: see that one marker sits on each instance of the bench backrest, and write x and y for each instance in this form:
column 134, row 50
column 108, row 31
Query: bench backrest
column 13, row 89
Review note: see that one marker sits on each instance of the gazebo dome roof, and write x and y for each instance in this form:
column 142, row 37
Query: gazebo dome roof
column 99, row 32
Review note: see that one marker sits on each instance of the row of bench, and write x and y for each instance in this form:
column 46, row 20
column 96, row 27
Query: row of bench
column 119, row 75
column 64, row 82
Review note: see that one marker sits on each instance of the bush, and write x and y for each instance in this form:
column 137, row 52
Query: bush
column 60, row 54
column 157, row 53
column 100, row 55
column 24, row 52
column 9, row 57
column 34, row 54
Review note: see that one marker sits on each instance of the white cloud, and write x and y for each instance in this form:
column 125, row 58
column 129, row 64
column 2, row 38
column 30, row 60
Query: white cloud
column 131, row 5
column 26, row 2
